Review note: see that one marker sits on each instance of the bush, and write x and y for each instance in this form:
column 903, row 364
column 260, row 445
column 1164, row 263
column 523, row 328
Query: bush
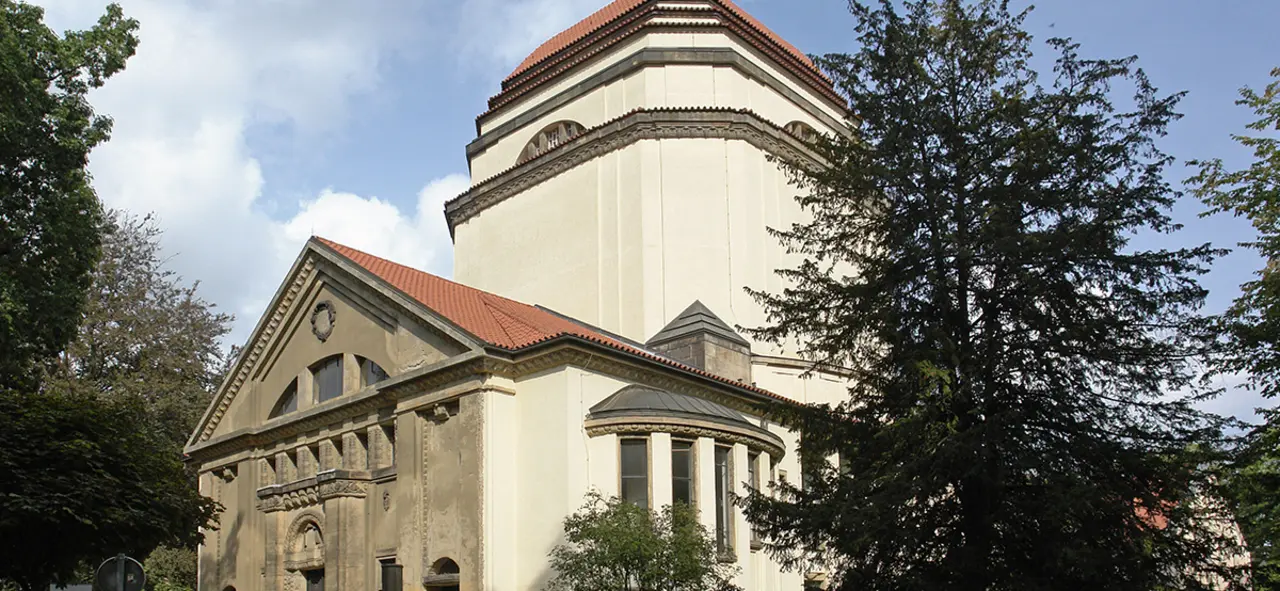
column 613, row 544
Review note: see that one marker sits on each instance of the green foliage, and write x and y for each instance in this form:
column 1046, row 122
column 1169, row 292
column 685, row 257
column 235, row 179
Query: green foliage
column 145, row 334
column 967, row 257
column 82, row 480
column 171, row 569
column 613, row 544
column 100, row 468
column 49, row 214
column 1252, row 323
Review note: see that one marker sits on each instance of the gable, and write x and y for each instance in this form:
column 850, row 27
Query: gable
column 368, row 322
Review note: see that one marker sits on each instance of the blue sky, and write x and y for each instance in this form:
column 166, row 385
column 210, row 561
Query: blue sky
column 247, row 125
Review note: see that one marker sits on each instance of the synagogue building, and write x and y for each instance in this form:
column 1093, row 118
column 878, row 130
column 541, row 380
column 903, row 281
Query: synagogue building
column 624, row 179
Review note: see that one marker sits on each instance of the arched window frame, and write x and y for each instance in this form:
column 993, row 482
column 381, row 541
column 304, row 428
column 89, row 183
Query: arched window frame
column 549, row 138
column 287, row 402
column 801, row 130
column 370, row 372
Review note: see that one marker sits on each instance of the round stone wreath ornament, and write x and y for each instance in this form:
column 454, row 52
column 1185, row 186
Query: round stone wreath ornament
column 322, row 320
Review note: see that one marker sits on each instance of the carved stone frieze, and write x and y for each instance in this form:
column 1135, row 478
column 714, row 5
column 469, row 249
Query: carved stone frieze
column 645, row 124
column 308, row 493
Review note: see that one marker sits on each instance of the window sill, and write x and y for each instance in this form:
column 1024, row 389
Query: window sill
column 726, row 556
column 757, row 545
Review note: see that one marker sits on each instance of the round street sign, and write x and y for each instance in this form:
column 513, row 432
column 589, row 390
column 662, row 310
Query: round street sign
column 119, row 574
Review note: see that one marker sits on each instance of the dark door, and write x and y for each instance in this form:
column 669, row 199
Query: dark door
column 315, row 580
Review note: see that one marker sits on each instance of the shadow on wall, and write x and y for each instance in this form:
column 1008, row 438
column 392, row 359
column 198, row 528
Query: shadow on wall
column 230, row 549
column 547, row 572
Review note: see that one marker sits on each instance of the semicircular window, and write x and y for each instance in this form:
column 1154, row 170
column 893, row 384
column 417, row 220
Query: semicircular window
column 549, row 138
column 802, row 130
column 370, row 372
column 288, row 401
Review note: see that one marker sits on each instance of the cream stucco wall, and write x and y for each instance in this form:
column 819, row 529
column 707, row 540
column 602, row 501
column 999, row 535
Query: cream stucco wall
column 628, row 240
column 542, row 463
column 554, row 465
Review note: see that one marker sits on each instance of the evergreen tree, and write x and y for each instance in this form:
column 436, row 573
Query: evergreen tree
column 1252, row 323
column 968, row 256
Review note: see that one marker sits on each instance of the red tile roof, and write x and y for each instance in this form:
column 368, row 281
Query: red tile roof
column 496, row 320
column 491, row 318
column 617, row 9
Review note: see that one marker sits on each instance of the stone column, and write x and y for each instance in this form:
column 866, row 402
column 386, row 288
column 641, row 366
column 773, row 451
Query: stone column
column 705, row 469
column 346, row 549
column 330, row 456
column 350, row 373
column 306, row 390
column 286, row 470
column 272, row 568
column 741, row 530
column 354, row 454
column 307, row 465
column 660, row 470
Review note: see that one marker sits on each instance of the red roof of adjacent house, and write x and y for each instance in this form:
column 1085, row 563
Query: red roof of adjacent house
column 494, row 319
column 618, row 8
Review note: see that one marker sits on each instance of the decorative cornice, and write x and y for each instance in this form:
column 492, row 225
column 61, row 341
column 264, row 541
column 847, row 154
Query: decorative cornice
column 309, row 492
column 345, row 407
column 772, row 446
column 632, row 369
column 657, row 18
column 557, row 352
column 649, row 57
column 248, row 360
column 721, row 123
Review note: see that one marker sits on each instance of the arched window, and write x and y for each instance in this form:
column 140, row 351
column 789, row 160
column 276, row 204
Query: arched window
column 327, row 379
column 370, row 372
column 288, row 401
column 802, row 130
column 551, row 136
column 444, row 575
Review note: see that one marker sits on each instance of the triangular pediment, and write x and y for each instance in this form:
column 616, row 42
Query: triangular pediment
column 327, row 307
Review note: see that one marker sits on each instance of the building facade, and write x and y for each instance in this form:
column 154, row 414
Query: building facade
column 624, row 181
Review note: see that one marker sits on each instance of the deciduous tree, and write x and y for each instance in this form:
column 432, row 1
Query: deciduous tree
column 613, row 544
column 1252, row 323
column 93, row 460
column 50, row 217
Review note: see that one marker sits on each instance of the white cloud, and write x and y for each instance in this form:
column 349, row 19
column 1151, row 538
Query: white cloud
column 505, row 31
column 372, row 225
column 205, row 76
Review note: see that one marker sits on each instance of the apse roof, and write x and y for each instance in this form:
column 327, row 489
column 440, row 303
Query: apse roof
column 694, row 319
column 637, row 400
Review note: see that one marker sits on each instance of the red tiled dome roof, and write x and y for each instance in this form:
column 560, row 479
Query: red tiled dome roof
column 618, row 8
